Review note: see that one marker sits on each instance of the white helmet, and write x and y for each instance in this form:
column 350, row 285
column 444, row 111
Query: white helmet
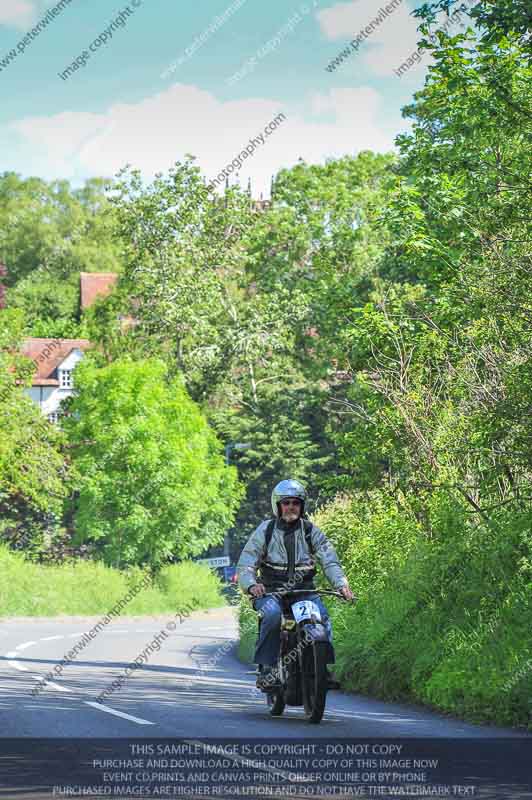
column 288, row 488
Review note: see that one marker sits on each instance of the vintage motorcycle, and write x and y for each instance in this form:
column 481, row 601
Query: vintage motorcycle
column 304, row 654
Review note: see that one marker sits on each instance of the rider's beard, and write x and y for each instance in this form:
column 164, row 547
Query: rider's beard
column 290, row 515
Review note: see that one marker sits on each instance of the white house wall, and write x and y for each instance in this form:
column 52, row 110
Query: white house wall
column 73, row 358
column 48, row 398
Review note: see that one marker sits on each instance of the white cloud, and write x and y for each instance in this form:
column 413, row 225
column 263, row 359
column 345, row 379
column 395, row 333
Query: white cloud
column 392, row 43
column 343, row 20
column 385, row 48
column 160, row 130
column 23, row 14
column 388, row 46
column 17, row 13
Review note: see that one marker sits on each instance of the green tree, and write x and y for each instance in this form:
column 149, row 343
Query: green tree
column 444, row 341
column 49, row 233
column 285, row 432
column 151, row 481
column 320, row 243
column 495, row 18
column 247, row 305
column 184, row 249
column 32, row 469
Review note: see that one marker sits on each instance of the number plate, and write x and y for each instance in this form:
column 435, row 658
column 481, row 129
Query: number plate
column 306, row 609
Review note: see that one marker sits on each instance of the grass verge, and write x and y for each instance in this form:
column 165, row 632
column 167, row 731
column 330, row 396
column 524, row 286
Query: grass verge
column 87, row 588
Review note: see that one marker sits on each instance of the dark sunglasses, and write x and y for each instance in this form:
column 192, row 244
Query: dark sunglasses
column 290, row 502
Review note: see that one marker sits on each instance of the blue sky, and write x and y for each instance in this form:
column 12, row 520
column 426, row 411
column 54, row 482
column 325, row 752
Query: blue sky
column 143, row 98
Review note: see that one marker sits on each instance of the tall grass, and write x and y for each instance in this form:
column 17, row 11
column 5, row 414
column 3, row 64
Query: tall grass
column 86, row 588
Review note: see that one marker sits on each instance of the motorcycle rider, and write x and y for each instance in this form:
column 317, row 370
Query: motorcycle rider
column 287, row 563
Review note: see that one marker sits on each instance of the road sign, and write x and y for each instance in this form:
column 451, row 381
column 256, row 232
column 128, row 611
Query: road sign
column 221, row 561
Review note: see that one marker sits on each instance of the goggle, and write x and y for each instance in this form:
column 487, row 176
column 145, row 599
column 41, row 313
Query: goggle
column 291, row 502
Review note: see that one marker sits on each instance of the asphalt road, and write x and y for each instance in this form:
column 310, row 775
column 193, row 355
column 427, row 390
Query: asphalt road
column 194, row 686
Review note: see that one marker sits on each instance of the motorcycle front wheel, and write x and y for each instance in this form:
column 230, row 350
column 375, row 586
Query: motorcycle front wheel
column 275, row 699
column 314, row 681
column 276, row 703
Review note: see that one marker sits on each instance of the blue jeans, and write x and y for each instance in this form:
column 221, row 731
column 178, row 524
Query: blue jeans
column 267, row 648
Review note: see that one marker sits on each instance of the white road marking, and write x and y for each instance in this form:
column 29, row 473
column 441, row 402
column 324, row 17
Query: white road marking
column 50, row 683
column 56, row 686
column 12, row 654
column 217, row 628
column 51, row 638
column 16, row 665
column 211, row 679
column 26, row 644
column 138, row 720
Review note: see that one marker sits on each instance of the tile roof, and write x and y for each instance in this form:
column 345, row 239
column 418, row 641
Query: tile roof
column 96, row 284
column 47, row 354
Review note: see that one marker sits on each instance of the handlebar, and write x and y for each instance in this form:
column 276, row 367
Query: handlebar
column 330, row 592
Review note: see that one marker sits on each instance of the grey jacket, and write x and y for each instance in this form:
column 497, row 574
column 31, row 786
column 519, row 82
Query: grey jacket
column 323, row 550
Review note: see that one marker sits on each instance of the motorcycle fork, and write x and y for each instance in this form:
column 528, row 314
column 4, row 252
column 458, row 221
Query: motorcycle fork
column 289, row 664
column 306, row 654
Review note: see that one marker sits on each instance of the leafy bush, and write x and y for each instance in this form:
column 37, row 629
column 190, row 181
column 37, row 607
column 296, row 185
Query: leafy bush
column 248, row 626
column 87, row 588
column 444, row 621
